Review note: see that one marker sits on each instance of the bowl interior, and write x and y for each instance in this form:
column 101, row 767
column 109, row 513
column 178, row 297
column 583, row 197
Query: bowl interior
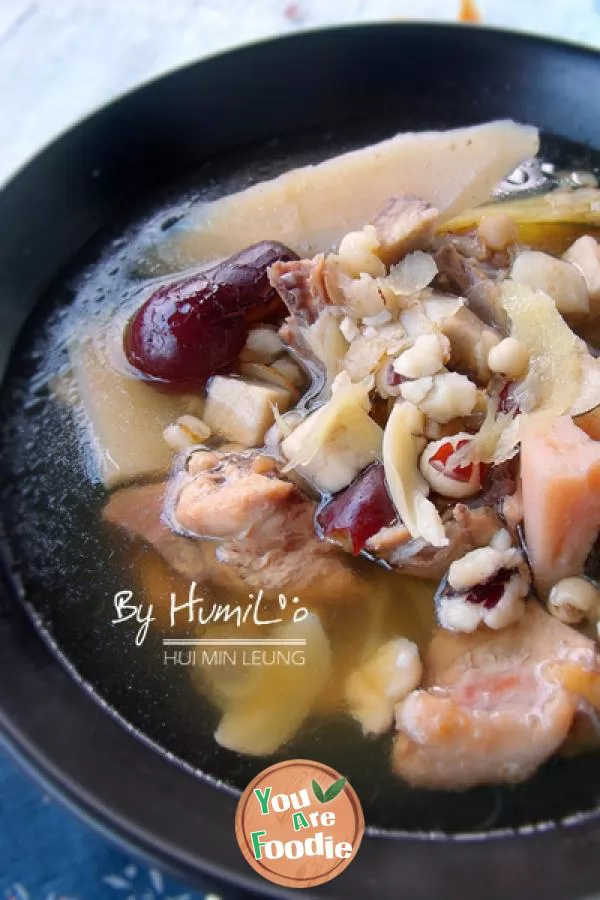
column 115, row 169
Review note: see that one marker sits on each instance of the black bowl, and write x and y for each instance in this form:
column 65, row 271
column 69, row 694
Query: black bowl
column 351, row 84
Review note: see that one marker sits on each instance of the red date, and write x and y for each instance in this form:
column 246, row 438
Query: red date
column 489, row 594
column 440, row 459
column 359, row 511
column 190, row 329
column 507, row 403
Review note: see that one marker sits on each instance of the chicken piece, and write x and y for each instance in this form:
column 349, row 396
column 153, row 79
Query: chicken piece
column 301, row 285
column 307, row 286
column 224, row 495
column 265, row 524
column 491, row 710
column 474, row 280
column 137, row 510
column 312, row 328
column 470, row 343
column 466, row 529
column 405, row 223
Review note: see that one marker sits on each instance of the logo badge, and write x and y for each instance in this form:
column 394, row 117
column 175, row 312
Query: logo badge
column 299, row 823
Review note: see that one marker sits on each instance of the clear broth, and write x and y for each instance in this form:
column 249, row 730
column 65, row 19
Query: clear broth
column 71, row 566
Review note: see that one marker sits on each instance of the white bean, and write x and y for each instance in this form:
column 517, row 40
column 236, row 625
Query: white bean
column 475, row 567
column 452, row 395
column 511, row 606
column 427, row 356
column 415, row 391
column 509, row 357
column 197, row 428
column 573, row 599
column 357, row 253
column 263, row 344
column 498, row 230
column 456, row 614
column 386, row 678
column 177, row 438
column 186, row 432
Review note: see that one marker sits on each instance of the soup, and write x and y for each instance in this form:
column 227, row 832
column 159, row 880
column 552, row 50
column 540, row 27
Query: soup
column 301, row 496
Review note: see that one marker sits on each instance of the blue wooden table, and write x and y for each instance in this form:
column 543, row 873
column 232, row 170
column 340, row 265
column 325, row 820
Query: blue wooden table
column 46, row 853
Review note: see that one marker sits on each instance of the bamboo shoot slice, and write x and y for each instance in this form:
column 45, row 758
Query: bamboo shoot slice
column 125, row 417
column 309, row 209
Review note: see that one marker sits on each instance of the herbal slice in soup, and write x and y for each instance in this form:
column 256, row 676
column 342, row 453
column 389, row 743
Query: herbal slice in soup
column 278, row 697
column 309, row 209
column 125, row 416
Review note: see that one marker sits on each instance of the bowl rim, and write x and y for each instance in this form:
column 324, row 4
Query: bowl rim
column 20, row 737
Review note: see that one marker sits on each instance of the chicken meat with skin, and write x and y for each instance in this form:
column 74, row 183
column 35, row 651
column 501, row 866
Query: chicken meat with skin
column 259, row 528
column 301, row 284
column 466, row 529
column 489, row 710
